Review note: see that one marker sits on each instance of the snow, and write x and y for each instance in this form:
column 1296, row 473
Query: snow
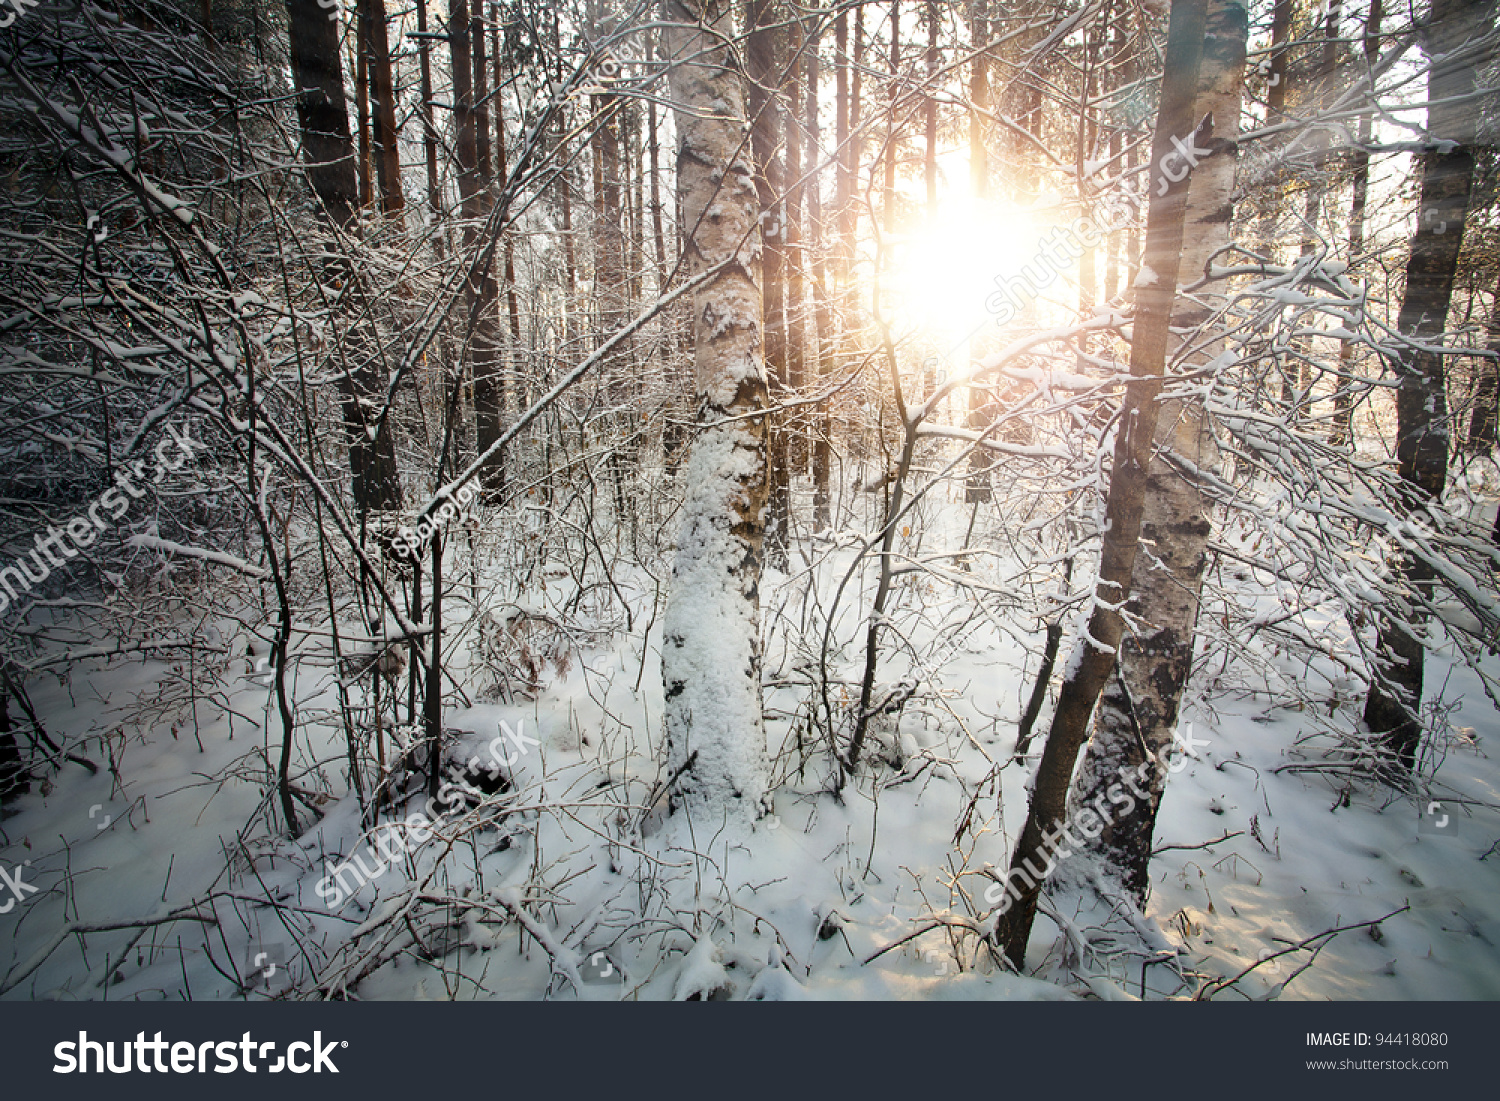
column 710, row 633
column 152, row 542
column 820, row 900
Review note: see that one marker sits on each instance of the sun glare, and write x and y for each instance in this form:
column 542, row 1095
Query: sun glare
column 945, row 271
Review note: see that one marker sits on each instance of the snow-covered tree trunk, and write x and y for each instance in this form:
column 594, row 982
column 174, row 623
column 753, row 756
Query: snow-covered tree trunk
column 711, row 638
column 1393, row 706
column 1094, row 661
column 1138, row 709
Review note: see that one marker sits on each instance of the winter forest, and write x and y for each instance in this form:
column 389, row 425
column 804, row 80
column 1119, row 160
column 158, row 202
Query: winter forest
column 749, row 499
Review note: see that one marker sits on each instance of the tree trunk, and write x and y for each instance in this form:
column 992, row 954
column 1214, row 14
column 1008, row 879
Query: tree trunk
column 794, row 253
column 817, row 244
column 1485, row 419
column 502, row 177
column 711, row 639
column 383, row 101
column 429, row 130
column 1095, row 661
column 362, row 102
column 1342, row 434
column 1139, row 707
column 323, row 116
column 765, row 136
column 482, row 324
column 1281, row 30
column 977, row 484
column 1393, row 705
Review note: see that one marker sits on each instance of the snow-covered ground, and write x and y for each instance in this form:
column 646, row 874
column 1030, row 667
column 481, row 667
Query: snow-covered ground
column 572, row 885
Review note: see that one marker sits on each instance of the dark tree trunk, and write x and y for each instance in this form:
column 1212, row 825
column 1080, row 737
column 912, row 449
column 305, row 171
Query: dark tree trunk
column 765, row 136
column 383, row 96
column 502, row 177
column 612, row 284
column 1139, row 707
column 1342, row 434
column 429, row 130
column 658, row 238
column 362, row 103
column 482, row 322
column 1485, row 419
column 323, row 116
column 1093, row 665
column 1393, row 706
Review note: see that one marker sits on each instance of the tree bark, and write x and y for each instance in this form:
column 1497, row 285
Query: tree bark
column 1092, row 665
column 1393, row 704
column 383, row 114
column 765, row 137
column 1485, row 419
column 429, row 130
column 1139, row 707
column 323, row 116
column 711, row 640
column 482, row 323
column 1342, row 434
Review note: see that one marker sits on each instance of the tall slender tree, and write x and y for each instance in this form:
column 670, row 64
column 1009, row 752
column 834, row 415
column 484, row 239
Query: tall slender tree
column 1139, row 707
column 481, row 325
column 816, row 249
column 386, row 149
column 764, row 105
column 328, row 148
column 1134, row 443
column 1394, row 702
column 1342, row 433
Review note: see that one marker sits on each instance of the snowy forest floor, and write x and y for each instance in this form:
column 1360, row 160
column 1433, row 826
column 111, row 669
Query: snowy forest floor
column 569, row 886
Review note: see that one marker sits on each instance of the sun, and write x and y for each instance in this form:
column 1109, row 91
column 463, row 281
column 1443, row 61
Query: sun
column 944, row 272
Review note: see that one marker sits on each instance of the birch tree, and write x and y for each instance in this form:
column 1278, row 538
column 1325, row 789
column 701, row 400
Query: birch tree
column 711, row 645
column 1139, row 707
column 1094, row 662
